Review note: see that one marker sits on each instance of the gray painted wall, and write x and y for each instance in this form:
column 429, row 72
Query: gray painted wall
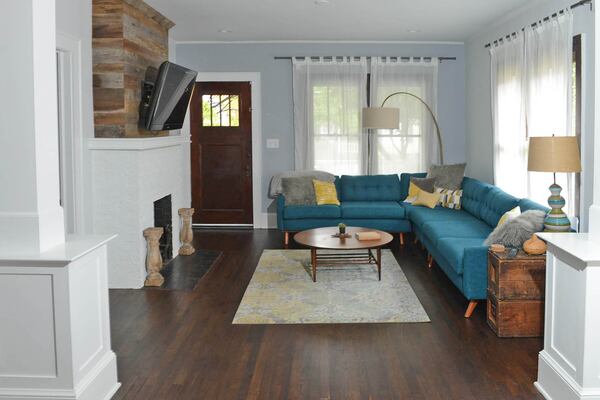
column 479, row 137
column 276, row 80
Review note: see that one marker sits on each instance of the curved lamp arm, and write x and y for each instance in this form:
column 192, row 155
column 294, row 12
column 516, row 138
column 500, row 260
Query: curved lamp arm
column 437, row 127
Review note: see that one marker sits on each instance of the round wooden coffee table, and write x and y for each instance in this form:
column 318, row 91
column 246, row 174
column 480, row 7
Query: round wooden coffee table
column 323, row 239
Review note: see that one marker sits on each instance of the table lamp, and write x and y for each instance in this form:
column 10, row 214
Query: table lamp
column 554, row 154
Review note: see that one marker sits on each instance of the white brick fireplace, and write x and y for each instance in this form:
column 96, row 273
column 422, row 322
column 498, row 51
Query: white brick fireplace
column 129, row 175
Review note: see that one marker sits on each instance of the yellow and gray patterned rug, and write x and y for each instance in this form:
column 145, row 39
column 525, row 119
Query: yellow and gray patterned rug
column 281, row 292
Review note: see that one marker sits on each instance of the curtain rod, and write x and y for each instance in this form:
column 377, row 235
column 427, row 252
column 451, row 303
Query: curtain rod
column 578, row 4
column 367, row 57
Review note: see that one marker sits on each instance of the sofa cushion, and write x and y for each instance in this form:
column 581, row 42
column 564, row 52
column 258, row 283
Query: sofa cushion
column 485, row 201
column 372, row 209
column 526, row 205
column 495, row 204
column 467, row 228
column 453, row 250
column 420, row 215
column 474, row 192
column 306, row 212
column 370, row 188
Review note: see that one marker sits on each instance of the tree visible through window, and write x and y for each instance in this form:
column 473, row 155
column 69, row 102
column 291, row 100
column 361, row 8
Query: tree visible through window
column 336, row 131
column 220, row 110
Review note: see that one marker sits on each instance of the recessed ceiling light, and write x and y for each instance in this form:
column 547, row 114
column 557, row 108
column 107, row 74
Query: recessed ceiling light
column 321, row 2
column 225, row 31
column 413, row 31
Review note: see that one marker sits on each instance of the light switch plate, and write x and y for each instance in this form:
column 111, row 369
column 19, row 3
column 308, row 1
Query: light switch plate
column 272, row 143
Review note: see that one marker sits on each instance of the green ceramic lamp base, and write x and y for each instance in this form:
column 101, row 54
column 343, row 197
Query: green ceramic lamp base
column 556, row 220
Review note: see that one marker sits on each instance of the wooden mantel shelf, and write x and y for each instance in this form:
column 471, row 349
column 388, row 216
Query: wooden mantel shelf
column 137, row 144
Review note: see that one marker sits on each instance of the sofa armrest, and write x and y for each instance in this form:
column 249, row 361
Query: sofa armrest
column 475, row 272
column 280, row 207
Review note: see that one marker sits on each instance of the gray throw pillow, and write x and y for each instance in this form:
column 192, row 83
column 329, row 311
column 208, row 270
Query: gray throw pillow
column 515, row 231
column 448, row 176
column 298, row 191
column 426, row 184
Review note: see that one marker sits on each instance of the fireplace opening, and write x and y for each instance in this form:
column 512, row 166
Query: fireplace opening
column 163, row 218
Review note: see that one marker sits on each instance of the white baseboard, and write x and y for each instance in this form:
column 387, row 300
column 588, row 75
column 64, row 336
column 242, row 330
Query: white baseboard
column 554, row 383
column 267, row 221
column 100, row 384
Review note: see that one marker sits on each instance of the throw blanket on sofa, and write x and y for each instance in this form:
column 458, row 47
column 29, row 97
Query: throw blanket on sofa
column 275, row 185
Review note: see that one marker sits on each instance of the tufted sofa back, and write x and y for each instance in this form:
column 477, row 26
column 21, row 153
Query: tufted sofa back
column 370, row 188
column 485, row 201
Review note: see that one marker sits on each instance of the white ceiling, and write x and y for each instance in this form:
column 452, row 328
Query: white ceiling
column 351, row 20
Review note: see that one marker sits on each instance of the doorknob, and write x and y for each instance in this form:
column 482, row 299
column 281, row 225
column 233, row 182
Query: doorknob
column 248, row 170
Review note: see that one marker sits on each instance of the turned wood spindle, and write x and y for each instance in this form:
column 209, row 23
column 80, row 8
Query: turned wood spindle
column 186, row 235
column 154, row 261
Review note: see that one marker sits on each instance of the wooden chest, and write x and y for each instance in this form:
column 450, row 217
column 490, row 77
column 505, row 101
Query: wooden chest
column 515, row 306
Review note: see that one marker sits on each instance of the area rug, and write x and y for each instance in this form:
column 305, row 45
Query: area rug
column 281, row 291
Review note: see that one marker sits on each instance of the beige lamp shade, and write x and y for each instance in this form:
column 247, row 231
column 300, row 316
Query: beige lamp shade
column 554, row 154
column 380, row 118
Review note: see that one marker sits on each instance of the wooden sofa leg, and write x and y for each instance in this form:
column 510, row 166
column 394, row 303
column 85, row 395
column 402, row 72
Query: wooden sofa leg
column 286, row 238
column 471, row 308
column 429, row 260
column 401, row 238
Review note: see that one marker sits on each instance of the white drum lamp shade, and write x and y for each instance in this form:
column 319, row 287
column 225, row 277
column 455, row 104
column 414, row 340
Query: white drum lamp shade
column 380, row 118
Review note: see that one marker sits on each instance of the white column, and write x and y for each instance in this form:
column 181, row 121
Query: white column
column 31, row 218
column 594, row 215
column 569, row 364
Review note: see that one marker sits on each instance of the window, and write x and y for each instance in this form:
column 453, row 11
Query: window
column 220, row 110
column 329, row 95
column 336, row 132
column 535, row 92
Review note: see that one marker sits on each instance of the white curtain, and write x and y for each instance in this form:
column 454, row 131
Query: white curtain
column 413, row 146
column 508, row 104
column 329, row 94
column 549, row 72
column 531, row 96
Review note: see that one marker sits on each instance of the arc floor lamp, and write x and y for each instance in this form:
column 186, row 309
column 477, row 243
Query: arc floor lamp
column 389, row 118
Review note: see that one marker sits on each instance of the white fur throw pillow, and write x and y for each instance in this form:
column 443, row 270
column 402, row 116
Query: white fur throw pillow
column 515, row 231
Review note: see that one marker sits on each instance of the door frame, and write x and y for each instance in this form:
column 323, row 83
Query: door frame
column 259, row 220
column 70, row 53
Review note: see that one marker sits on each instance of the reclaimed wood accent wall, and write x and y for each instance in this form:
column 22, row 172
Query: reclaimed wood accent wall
column 128, row 37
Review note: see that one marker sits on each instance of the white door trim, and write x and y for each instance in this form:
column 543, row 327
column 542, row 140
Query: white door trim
column 254, row 79
column 70, row 49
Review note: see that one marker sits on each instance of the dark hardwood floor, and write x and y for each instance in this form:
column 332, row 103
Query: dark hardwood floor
column 181, row 344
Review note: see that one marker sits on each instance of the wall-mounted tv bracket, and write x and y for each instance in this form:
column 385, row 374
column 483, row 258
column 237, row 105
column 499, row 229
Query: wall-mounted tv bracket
column 146, row 95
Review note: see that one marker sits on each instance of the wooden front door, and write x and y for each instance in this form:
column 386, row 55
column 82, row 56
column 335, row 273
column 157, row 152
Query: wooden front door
column 221, row 153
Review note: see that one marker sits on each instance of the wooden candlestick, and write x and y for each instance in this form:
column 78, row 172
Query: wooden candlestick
column 153, row 258
column 186, row 235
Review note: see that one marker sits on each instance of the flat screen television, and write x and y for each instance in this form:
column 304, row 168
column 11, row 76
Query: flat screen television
column 165, row 102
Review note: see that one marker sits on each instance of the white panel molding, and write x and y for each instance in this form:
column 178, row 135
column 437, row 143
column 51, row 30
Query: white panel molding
column 568, row 367
column 257, row 141
column 79, row 362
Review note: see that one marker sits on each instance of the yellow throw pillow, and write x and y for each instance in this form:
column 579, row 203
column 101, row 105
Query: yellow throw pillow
column 413, row 190
column 325, row 193
column 427, row 199
column 509, row 215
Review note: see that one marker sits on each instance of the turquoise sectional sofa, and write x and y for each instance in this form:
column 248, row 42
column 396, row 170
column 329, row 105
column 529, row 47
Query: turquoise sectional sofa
column 453, row 238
